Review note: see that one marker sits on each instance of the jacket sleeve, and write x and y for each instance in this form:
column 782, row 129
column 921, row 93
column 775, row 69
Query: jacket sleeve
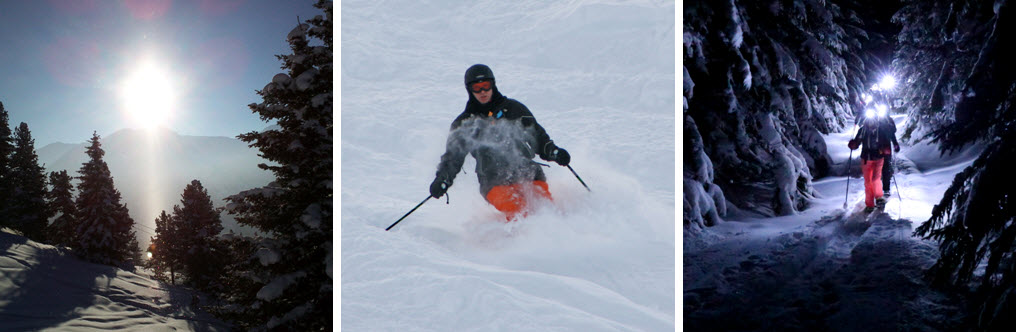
column 455, row 151
column 892, row 126
column 544, row 145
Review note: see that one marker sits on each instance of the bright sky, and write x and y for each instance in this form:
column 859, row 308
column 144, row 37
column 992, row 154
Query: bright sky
column 65, row 66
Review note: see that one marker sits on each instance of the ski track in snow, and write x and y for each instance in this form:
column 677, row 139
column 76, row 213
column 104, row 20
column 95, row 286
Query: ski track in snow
column 592, row 261
column 46, row 288
column 828, row 269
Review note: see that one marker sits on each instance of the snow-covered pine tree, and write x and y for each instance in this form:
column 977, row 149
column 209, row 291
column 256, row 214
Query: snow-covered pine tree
column 242, row 276
column 938, row 45
column 165, row 253
column 763, row 81
column 6, row 149
column 61, row 201
column 105, row 228
column 136, row 255
column 198, row 225
column 27, row 208
column 295, row 210
column 975, row 222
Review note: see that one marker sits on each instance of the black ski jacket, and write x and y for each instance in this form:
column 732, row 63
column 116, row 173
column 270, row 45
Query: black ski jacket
column 877, row 138
column 503, row 137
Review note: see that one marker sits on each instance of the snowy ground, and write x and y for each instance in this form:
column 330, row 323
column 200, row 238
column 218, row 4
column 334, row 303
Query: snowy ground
column 45, row 288
column 599, row 261
column 826, row 268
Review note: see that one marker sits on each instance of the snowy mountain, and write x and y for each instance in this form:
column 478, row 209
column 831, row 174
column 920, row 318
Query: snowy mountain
column 599, row 77
column 151, row 169
column 45, row 288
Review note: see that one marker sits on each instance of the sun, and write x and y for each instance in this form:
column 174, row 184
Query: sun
column 147, row 95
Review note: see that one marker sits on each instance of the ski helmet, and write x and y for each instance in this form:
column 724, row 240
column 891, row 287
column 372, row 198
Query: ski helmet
column 478, row 72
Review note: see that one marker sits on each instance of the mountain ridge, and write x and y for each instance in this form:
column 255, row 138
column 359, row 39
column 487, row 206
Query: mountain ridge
column 151, row 167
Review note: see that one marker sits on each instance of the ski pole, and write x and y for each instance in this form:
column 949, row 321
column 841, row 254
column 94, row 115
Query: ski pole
column 898, row 195
column 846, row 195
column 580, row 179
column 407, row 213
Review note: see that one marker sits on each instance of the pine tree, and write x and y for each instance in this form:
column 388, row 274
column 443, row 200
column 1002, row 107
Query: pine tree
column 972, row 90
column 165, row 253
column 241, row 277
column 6, row 149
column 763, row 82
column 61, row 200
column 105, row 228
column 27, row 210
column 198, row 225
column 135, row 255
column 295, row 209
column 939, row 44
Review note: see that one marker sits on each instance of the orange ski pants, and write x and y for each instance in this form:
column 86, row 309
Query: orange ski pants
column 872, row 170
column 512, row 199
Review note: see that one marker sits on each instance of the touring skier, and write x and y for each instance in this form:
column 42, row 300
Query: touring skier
column 879, row 140
column 504, row 137
column 889, row 125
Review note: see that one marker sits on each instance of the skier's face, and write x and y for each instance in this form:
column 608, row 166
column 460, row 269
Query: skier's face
column 483, row 91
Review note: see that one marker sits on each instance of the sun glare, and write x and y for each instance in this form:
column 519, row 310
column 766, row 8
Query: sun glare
column 148, row 96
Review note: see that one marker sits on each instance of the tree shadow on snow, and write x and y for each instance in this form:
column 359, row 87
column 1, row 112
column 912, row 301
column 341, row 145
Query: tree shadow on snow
column 187, row 304
column 52, row 288
column 48, row 288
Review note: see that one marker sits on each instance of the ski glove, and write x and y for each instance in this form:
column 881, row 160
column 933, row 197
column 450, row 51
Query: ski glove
column 439, row 187
column 853, row 144
column 560, row 156
column 896, row 148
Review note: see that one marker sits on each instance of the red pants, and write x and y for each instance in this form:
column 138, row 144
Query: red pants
column 872, row 170
column 511, row 199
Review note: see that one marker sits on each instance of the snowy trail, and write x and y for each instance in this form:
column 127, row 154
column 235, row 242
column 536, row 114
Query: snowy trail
column 591, row 261
column 826, row 268
column 44, row 288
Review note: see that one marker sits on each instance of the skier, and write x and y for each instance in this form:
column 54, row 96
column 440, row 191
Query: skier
column 882, row 103
column 503, row 136
column 876, row 136
column 889, row 125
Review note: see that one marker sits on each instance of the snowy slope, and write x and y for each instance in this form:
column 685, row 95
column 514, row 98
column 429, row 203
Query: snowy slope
column 599, row 76
column 829, row 268
column 45, row 288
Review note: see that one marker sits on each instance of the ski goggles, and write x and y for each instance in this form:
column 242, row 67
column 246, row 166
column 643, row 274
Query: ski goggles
column 481, row 86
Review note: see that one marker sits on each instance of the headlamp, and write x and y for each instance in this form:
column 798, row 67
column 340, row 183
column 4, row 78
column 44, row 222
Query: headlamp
column 888, row 82
column 882, row 109
column 869, row 113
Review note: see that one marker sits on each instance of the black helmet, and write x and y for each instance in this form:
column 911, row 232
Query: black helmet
column 478, row 72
